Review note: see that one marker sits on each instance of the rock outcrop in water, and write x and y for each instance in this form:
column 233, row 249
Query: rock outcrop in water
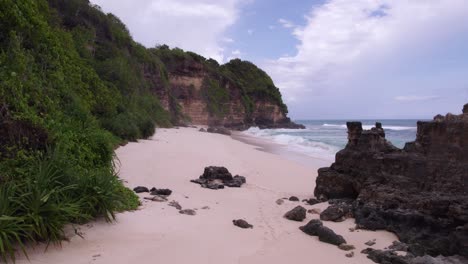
column 418, row 192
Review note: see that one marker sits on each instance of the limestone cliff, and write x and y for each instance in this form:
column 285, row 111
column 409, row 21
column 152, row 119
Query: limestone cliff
column 235, row 95
column 419, row 192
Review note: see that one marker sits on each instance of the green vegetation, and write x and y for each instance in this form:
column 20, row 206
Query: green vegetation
column 254, row 82
column 74, row 85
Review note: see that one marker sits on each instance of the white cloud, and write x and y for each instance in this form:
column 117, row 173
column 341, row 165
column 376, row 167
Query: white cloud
column 286, row 23
column 415, row 98
column 367, row 52
column 236, row 52
column 228, row 40
column 196, row 25
column 250, row 32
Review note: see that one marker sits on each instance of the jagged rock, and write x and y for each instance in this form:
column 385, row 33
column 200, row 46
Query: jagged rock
column 346, row 247
column 312, row 227
column 439, row 260
column 188, row 212
column 165, row 192
column 217, row 177
column 279, row 201
column 312, row 201
column 393, row 257
column 140, row 189
column 418, row 192
column 237, row 181
column 242, row 223
column 398, row 246
column 390, row 257
column 216, row 173
column 327, row 235
column 336, row 213
column 213, row 185
column 219, row 130
column 296, row 214
column 175, row 204
column 350, row 254
column 315, row 227
column 294, row 199
column 370, row 243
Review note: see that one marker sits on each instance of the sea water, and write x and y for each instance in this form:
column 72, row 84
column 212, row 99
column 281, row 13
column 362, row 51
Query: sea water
column 323, row 138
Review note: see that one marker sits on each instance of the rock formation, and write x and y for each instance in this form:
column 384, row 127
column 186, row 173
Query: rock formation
column 315, row 227
column 201, row 92
column 242, row 223
column 298, row 213
column 217, row 177
column 418, row 192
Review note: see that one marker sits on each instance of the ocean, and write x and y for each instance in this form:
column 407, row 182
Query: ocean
column 323, row 138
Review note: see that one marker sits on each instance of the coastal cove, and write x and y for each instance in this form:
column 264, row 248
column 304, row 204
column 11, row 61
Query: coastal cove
column 156, row 231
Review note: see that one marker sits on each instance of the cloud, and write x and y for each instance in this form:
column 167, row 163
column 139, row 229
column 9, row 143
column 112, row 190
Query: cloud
column 250, row 32
column 234, row 54
column 286, row 23
column 228, row 40
column 415, row 98
column 365, row 53
column 196, row 25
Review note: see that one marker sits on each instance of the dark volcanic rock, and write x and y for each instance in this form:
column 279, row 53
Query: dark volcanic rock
column 216, row 173
column 296, row 214
column 219, row 130
column 418, row 192
column 217, row 177
column 188, row 212
column 312, row 227
column 140, row 189
column 327, row 235
column 293, row 199
column 315, row 228
column 242, row 223
column 312, row 201
column 391, row 257
column 165, row 192
column 337, row 213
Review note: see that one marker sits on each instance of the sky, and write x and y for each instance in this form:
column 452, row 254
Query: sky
column 331, row 59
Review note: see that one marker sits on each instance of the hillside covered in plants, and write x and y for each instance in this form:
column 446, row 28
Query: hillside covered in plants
column 74, row 85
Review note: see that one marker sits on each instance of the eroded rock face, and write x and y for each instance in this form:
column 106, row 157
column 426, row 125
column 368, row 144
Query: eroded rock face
column 419, row 192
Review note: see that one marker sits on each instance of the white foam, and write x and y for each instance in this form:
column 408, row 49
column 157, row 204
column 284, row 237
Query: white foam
column 295, row 142
column 397, row 128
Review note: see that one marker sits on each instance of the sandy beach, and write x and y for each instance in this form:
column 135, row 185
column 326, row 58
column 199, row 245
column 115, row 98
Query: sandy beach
column 159, row 233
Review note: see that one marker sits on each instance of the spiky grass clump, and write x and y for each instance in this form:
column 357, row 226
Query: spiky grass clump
column 37, row 207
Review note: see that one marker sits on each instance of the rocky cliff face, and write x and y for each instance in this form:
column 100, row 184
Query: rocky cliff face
column 419, row 192
column 200, row 93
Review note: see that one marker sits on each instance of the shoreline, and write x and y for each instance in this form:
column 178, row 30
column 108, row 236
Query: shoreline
column 272, row 147
column 170, row 159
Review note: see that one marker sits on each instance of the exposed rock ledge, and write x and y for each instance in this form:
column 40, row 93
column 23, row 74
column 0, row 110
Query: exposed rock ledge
column 418, row 192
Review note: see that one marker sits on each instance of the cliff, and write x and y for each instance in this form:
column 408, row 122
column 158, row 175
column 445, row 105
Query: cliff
column 419, row 192
column 236, row 95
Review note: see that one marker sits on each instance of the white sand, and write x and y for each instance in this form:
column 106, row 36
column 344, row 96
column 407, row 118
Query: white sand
column 157, row 233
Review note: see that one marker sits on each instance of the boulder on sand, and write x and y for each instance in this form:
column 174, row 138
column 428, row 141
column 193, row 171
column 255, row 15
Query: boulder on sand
column 140, row 189
column 296, row 214
column 217, row 177
column 242, row 223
